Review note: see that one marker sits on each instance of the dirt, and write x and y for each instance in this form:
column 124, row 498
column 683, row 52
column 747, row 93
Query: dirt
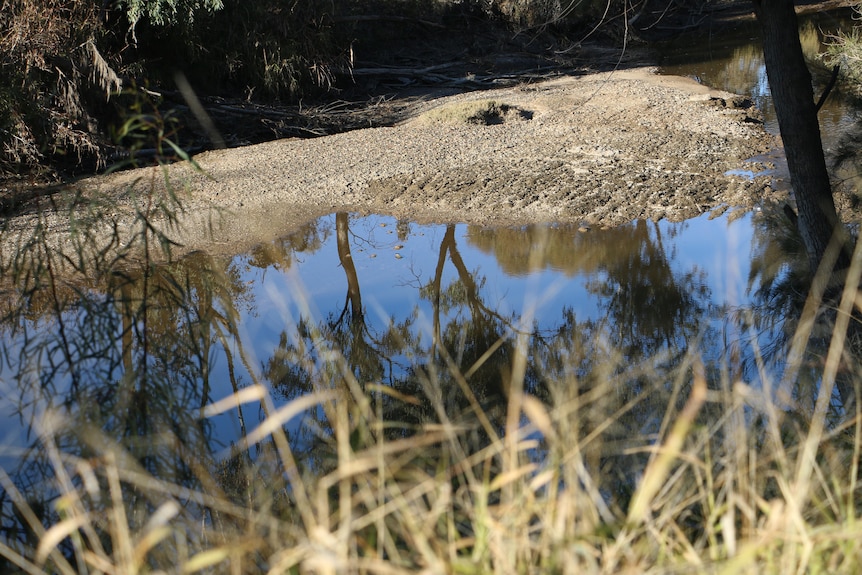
column 575, row 134
column 602, row 149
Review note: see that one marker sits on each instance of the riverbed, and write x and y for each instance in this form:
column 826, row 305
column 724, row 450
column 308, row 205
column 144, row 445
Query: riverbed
column 599, row 149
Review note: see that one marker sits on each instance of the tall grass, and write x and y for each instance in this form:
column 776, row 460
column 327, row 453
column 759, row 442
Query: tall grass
column 725, row 495
column 589, row 462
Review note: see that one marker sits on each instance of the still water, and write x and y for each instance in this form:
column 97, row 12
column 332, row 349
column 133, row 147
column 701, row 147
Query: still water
column 732, row 60
column 383, row 294
column 380, row 303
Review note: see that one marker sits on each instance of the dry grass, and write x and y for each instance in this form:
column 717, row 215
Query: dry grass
column 712, row 499
column 733, row 482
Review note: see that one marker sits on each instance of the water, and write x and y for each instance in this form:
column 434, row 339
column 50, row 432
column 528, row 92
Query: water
column 215, row 325
column 379, row 303
column 732, row 59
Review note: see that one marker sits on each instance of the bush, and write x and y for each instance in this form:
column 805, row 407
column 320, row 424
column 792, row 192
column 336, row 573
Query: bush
column 845, row 51
column 53, row 76
column 63, row 60
column 540, row 13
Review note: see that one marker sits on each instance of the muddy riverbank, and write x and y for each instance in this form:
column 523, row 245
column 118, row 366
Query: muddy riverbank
column 603, row 149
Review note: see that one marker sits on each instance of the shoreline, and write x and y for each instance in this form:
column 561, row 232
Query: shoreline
column 604, row 148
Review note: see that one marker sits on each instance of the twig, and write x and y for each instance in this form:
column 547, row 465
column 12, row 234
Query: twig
column 828, row 88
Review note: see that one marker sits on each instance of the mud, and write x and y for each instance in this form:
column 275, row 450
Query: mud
column 603, row 149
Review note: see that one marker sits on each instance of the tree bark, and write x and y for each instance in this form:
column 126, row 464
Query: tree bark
column 793, row 97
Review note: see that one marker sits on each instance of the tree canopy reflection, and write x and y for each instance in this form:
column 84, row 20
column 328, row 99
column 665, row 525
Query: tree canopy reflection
column 647, row 304
column 170, row 331
column 450, row 357
column 119, row 364
column 168, row 321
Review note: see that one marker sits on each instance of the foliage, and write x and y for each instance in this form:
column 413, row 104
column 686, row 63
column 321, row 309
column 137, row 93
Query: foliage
column 533, row 13
column 268, row 48
column 53, row 79
column 63, row 61
column 167, row 12
column 845, row 50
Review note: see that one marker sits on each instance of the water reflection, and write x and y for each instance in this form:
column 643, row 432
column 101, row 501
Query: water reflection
column 606, row 320
column 648, row 303
column 779, row 284
column 732, row 60
column 206, row 326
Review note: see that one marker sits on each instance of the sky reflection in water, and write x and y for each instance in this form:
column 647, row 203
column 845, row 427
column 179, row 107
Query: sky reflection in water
column 605, row 317
column 707, row 258
column 646, row 288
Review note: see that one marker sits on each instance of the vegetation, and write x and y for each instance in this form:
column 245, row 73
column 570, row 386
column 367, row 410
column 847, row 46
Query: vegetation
column 166, row 12
column 50, row 66
column 483, row 445
column 845, row 51
column 65, row 61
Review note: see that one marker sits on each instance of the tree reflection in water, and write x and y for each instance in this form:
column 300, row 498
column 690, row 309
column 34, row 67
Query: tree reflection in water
column 780, row 284
column 647, row 305
column 117, row 368
column 458, row 368
column 133, row 359
column 124, row 362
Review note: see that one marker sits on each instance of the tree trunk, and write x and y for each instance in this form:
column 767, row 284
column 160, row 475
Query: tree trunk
column 354, row 295
column 793, row 97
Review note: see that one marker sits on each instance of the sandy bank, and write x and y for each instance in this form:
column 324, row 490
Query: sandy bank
column 604, row 148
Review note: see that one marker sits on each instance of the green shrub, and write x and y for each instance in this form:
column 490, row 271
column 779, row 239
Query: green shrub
column 167, row 12
column 846, row 51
